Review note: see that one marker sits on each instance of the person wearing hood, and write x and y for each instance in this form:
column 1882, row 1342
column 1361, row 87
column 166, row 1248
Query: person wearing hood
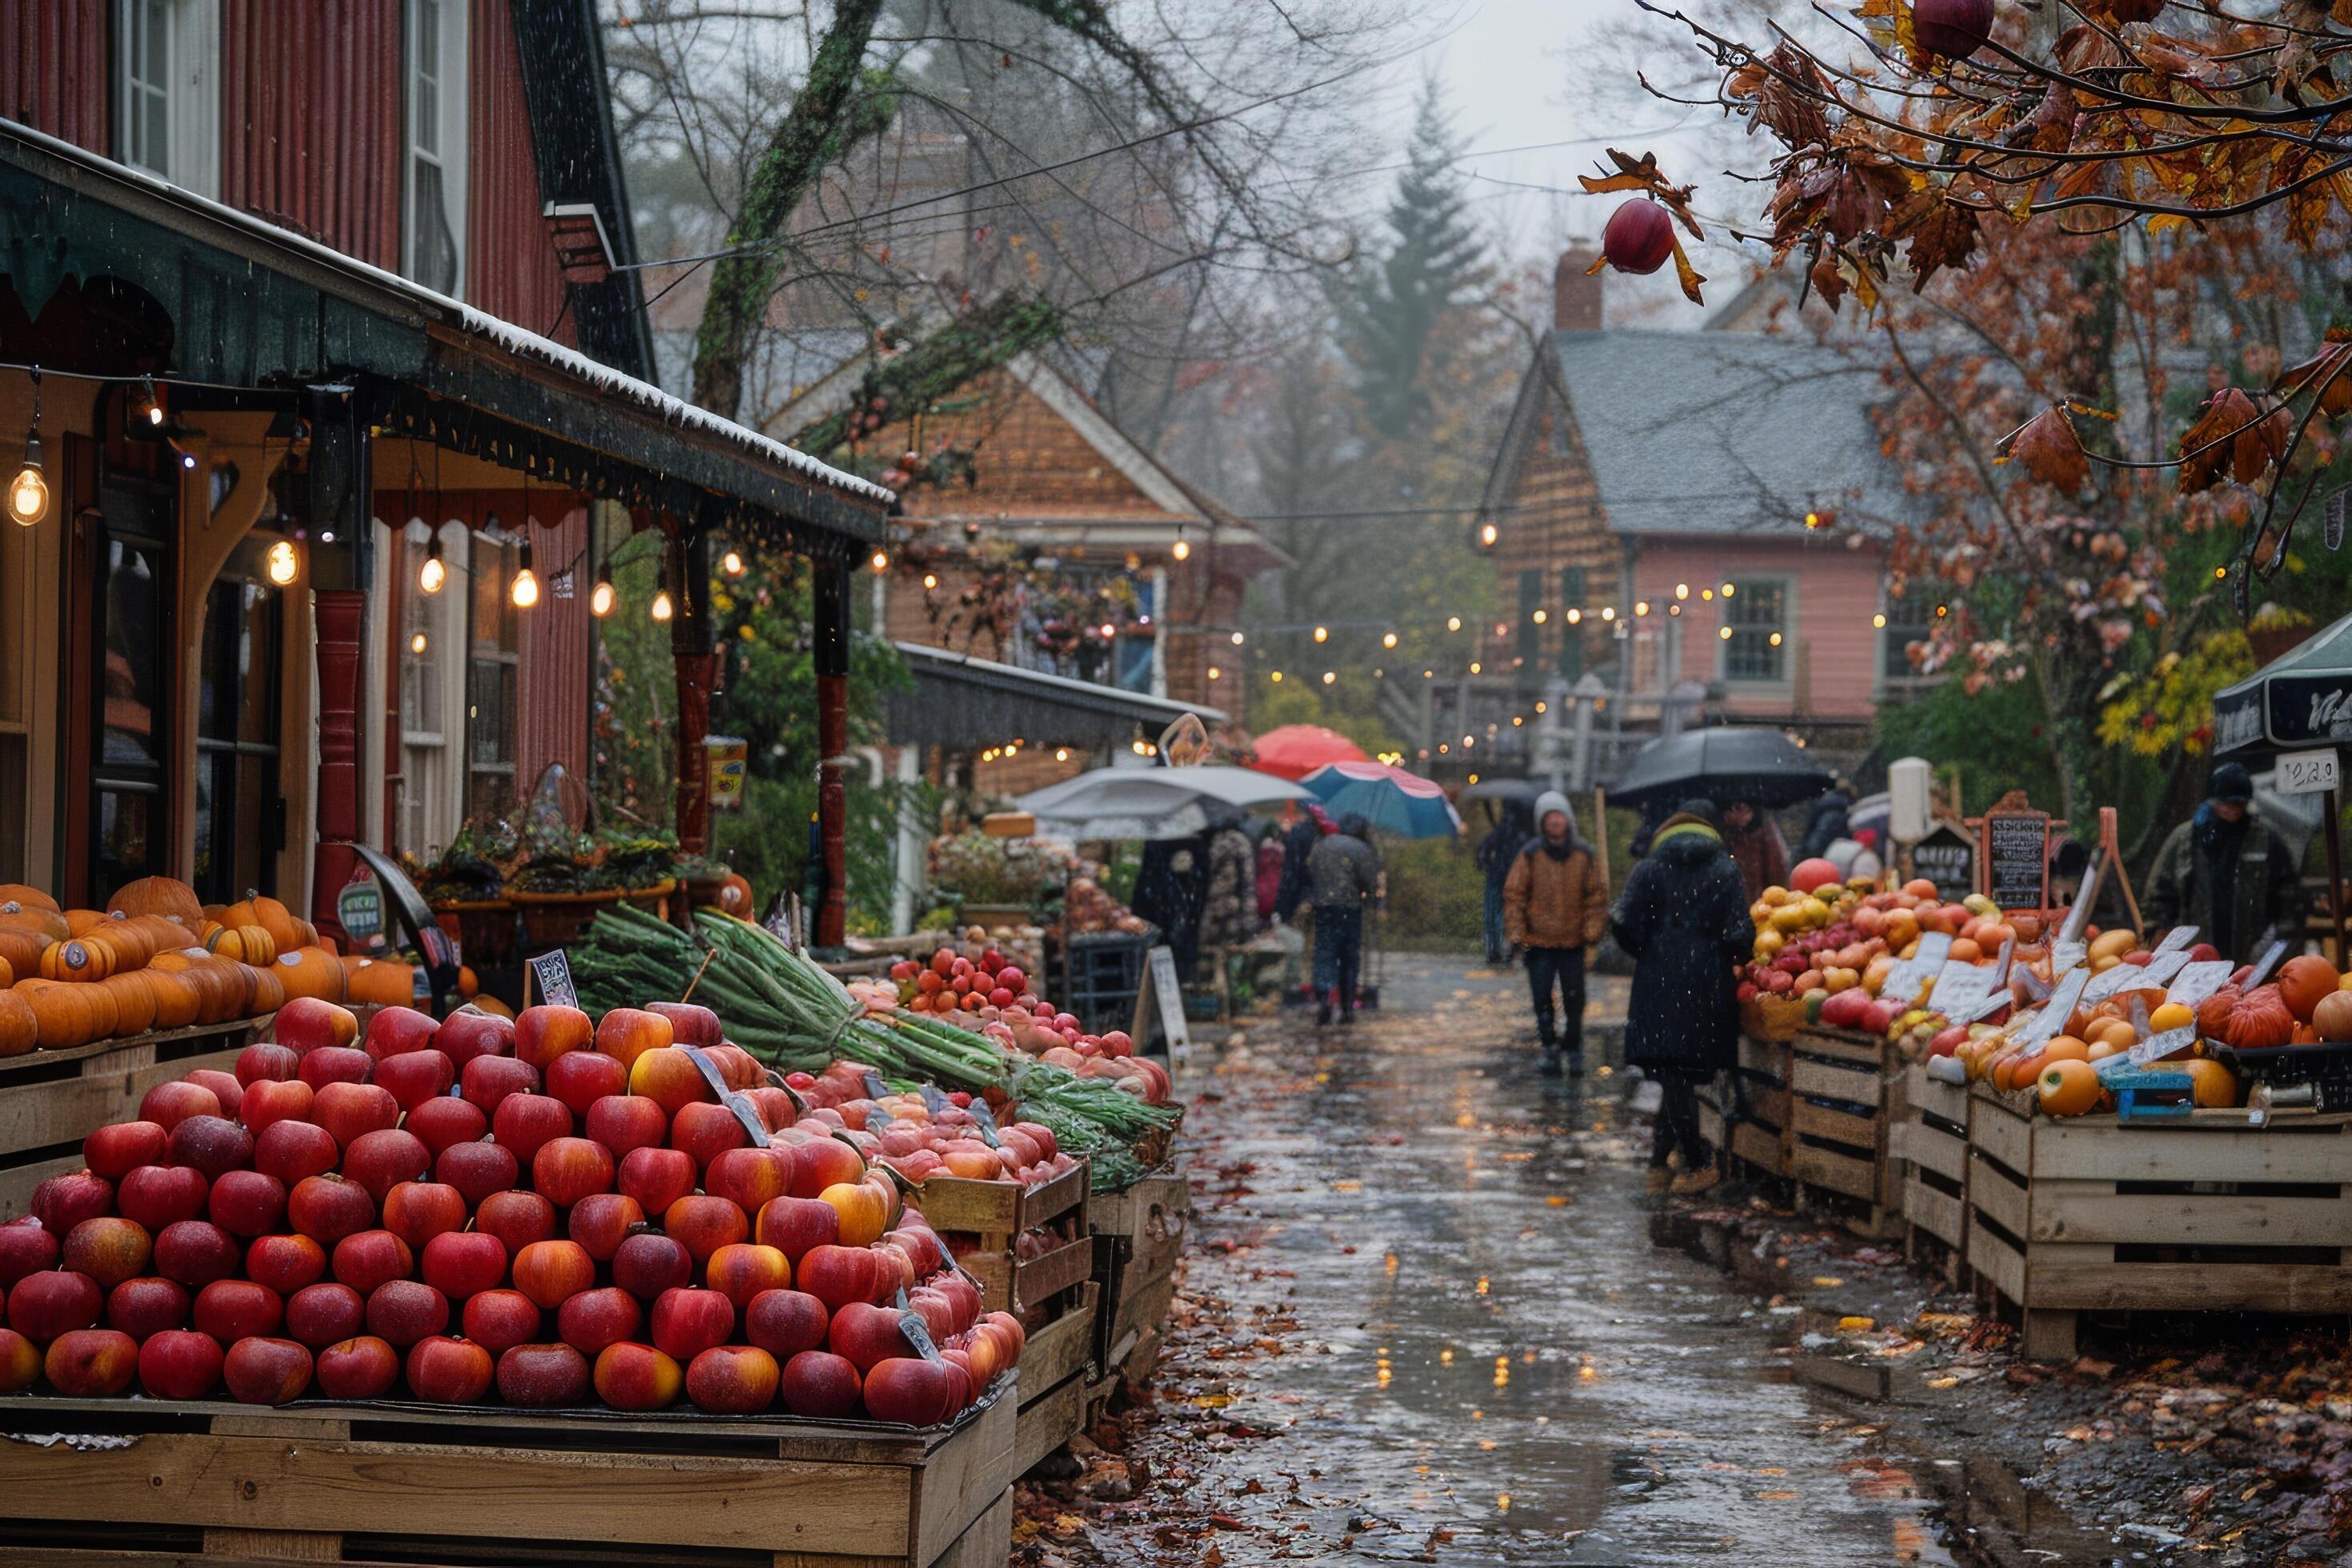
column 1497, row 852
column 1684, row 919
column 1754, row 842
column 2227, row 872
column 1827, row 822
column 1555, row 905
column 1344, row 875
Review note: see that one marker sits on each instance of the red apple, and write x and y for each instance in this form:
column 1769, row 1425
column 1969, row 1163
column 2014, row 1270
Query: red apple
column 267, row 1371
column 170, row 1103
column 628, row 1033
column 649, row 1263
column 158, row 1195
column 306, row 1023
column 477, row 1171
column 823, row 1163
column 449, row 1372
column 656, row 1178
column 776, row 1109
column 20, row 1363
column 266, row 1063
column 335, row 1064
column 445, row 1122
column 524, row 1122
column 64, row 1200
column 602, row 1221
column 732, row 1380
column 466, row 1035
column 910, row 1389
column 864, row 1334
column 706, row 1131
column 382, row 1160
column 359, row 1367
column 414, row 1077
column 44, row 1306
column 229, row 1309
column 213, row 1144
column 551, row 1272
column 462, row 1264
column 517, row 1218
column 366, row 1259
column 705, row 1224
column 246, row 1204
column 27, row 1246
column 785, row 1323
column 394, row 1031
column 323, row 1313
column 837, row 1275
column 741, row 1270
column 631, row 1376
column 403, row 1311
column 819, row 1384
column 353, row 1111
column 91, row 1363
column 594, row 1319
column 668, row 1077
column 486, row 1080
column 686, row 1323
column 291, row 1151
column 179, row 1364
column 690, row 1023
column 416, row 1212
column 627, row 1122
column 580, row 1079
column 115, row 1150
column 937, row 1312
column 147, row 1306
column 496, row 1320
column 268, row 1101
column 749, row 1178
column 224, row 1087
column 544, row 1376
column 196, row 1253
column 541, row 1034
column 328, row 1208
column 285, row 1263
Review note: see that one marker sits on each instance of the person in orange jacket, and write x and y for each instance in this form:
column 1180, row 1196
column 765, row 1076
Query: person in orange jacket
column 1555, row 905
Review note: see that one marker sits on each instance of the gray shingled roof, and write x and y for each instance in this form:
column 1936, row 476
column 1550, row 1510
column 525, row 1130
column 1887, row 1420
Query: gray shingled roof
column 1721, row 433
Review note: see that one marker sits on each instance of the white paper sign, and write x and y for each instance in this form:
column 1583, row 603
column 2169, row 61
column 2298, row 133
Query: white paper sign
column 1904, row 980
column 553, row 970
column 2306, row 772
column 2179, row 936
column 2264, row 965
column 2065, row 955
column 2157, row 971
column 1960, row 986
column 2148, row 1050
column 2199, row 980
column 2039, row 1029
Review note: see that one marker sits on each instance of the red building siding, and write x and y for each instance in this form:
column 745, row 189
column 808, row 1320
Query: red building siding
column 510, row 267
column 54, row 68
column 311, row 121
column 553, row 683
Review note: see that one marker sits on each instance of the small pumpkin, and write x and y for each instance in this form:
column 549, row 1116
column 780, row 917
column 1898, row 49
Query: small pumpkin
column 2303, row 980
column 134, row 1002
column 104, row 1014
column 313, row 971
column 165, row 896
column 81, row 922
column 46, row 924
column 2213, row 1012
column 62, row 1015
column 269, row 914
column 80, row 959
column 30, row 898
column 177, row 1000
column 268, row 990
column 382, row 982
column 19, row 1030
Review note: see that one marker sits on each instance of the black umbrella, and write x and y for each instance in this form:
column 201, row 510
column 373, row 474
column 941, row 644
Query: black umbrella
column 1727, row 763
column 2302, row 700
column 1505, row 791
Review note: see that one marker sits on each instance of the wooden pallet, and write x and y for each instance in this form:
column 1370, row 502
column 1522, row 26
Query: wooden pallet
column 2206, row 1214
column 1845, row 1091
column 1930, row 1146
column 51, row 1100
column 153, row 1481
column 998, row 1214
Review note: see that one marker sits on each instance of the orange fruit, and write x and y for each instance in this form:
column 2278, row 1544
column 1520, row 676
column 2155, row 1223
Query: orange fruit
column 2068, row 1088
column 2170, row 1016
column 2212, row 1084
column 2102, row 1050
column 2066, row 1048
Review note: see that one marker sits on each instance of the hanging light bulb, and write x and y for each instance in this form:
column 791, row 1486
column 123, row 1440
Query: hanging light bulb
column 1487, row 536
column 1641, row 606
column 733, row 563
column 1475, row 668
column 1607, row 612
column 1879, row 621
column 418, row 643
column 431, row 575
column 284, row 566
column 1541, row 617
column 881, row 562
column 930, row 581
column 1322, row 633
column 29, row 492
column 1388, row 639
column 661, row 609
column 603, row 596
column 1453, row 623
column 1215, row 673
column 1238, row 640
column 1183, row 550
column 1726, row 590
column 1575, row 616
column 1330, row 676
column 525, row 592
column 1682, row 590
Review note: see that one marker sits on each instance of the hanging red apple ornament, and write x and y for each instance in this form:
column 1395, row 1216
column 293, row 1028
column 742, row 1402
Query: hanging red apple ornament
column 1952, row 29
column 1639, row 239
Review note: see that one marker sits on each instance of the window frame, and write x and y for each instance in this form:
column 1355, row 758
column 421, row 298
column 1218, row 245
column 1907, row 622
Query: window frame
column 496, row 554
column 190, row 90
column 450, row 148
column 1786, row 626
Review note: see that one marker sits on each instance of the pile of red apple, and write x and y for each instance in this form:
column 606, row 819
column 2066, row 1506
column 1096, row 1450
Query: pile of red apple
column 546, row 1213
column 919, row 1141
column 991, row 995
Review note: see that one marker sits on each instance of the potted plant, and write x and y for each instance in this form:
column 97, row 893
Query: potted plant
column 466, row 888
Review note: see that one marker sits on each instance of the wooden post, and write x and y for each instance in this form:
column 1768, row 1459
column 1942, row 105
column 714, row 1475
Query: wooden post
column 832, row 659
column 2335, row 877
column 336, row 615
column 686, row 566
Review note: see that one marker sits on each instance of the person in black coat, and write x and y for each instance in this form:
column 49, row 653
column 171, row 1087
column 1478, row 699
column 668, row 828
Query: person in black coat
column 1827, row 823
column 1684, row 917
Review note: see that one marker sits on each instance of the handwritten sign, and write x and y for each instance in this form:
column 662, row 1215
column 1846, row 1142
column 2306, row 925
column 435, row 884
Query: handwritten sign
column 2268, row 962
column 2017, row 859
column 1163, row 993
column 2197, row 981
column 2038, row 1030
column 2157, row 971
column 1960, row 987
column 1904, row 980
column 552, row 972
column 2306, row 772
column 1948, row 857
column 2179, row 936
column 2156, row 1047
column 2066, row 955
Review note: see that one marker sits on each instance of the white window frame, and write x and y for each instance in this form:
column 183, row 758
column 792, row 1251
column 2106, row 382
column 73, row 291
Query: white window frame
column 435, row 129
column 183, row 67
column 1751, row 685
column 432, row 763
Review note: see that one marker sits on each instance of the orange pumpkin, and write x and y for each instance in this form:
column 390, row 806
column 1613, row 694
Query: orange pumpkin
column 30, row 898
column 80, row 959
column 2303, row 980
column 46, row 924
column 386, row 983
column 268, row 990
column 735, row 896
column 62, row 1013
column 247, row 943
column 19, row 1030
column 21, row 951
column 103, row 1012
column 492, row 1005
column 177, row 1000
column 313, row 971
column 470, row 985
column 81, row 922
column 134, row 1003
column 236, row 987
column 269, row 914
column 157, row 895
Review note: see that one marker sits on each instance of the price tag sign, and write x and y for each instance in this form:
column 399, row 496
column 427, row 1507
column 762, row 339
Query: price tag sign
column 2039, row 1029
column 933, row 1100
column 2306, row 772
column 2197, row 981
column 2268, row 962
column 2066, row 955
column 551, row 973
column 1960, row 986
column 2157, row 971
column 985, row 1121
column 874, row 1088
column 2156, row 1047
column 739, row 1104
column 917, row 1333
column 1904, row 980
column 2179, row 936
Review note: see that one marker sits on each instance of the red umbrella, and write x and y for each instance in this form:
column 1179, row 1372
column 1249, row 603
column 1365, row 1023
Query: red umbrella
column 1293, row 751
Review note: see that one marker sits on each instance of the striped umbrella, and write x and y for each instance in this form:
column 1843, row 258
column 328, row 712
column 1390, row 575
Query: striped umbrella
column 1391, row 799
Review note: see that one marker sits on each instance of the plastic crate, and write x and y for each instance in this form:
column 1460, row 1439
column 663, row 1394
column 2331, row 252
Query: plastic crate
column 1102, row 973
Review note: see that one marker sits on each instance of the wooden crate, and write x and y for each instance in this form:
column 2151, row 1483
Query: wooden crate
column 998, row 1214
column 1759, row 1139
column 1930, row 1146
column 1845, row 1091
column 1057, row 1369
column 152, row 1481
column 51, row 1100
column 2205, row 1214
column 1139, row 1237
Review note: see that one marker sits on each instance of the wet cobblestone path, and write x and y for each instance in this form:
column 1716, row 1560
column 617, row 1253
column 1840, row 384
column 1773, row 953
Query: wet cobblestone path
column 1422, row 1319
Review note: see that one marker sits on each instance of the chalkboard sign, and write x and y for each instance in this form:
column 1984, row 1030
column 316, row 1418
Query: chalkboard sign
column 1162, row 995
column 1948, row 857
column 2016, row 860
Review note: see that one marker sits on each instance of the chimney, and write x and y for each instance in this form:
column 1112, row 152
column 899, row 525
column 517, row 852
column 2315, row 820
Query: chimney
column 1576, row 297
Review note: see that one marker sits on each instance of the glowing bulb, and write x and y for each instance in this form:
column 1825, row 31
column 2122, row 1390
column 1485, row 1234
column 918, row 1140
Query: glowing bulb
column 1215, row 673
column 662, row 609
column 1607, row 612
column 28, row 493
column 1812, row 520
column 1575, row 617
column 1108, row 631
column 1682, row 590
column 1726, row 590
column 1879, row 621
column 418, row 644
column 1183, row 550
column 732, row 562
column 1061, row 753
column 1541, row 617
column 1330, row 676
column 1517, row 720
column 1388, row 639
column 433, row 573
column 1708, row 594
column 1453, row 623
column 1723, row 632
column 283, row 565
column 930, row 580
column 1474, row 666
column 1774, row 639
column 2219, row 573
column 1543, row 707
column 1322, row 633
column 602, row 598
column 525, row 593
column 1275, row 678
column 1943, row 610
column 1238, row 640
column 1674, row 609
column 1487, row 535
column 881, row 562
column 1641, row 606
column 1429, row 675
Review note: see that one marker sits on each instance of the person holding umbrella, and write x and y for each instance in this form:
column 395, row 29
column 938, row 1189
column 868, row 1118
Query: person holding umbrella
column 1555, row 905
column 1684, row 919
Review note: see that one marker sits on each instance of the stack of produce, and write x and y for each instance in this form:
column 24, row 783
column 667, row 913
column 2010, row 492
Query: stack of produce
column 990, row 995
column 155, row 958
column 582, row 1219
column 1088, row 909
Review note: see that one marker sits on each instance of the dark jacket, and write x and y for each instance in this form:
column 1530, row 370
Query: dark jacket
column 1343, row 872
column 1296, row 845
column 1499, row 848
column 1684, row 917
column 1760, row 854
column 2265, row 887
column 1229, row 914
column 1826, row 826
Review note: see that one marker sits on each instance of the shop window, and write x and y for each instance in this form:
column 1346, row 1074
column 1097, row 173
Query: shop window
column 494, row 661
column 434, row 237
column 240, row 814
column 1758, row 615
column 167, row 98
column 131, row 687
column 1908, row 620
